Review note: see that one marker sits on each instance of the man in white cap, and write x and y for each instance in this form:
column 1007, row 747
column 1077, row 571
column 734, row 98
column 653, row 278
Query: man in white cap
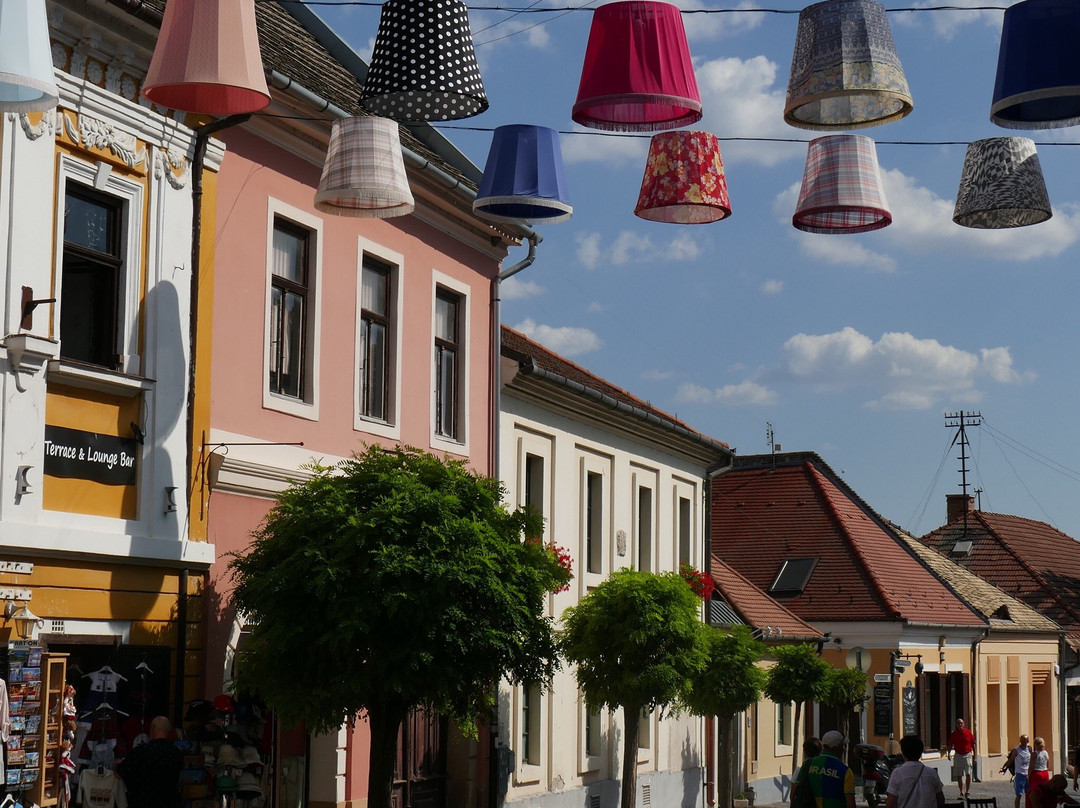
column 831, row 781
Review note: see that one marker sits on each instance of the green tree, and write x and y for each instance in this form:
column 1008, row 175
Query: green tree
column 729, row 683
column 844, row 691
column 636, row 640
column 798, row 676
column 393, row 581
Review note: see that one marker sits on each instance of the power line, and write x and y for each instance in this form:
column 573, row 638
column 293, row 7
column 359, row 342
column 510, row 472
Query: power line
column 554, row 9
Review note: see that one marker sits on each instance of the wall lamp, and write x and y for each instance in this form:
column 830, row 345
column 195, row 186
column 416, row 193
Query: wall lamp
column 25, row 620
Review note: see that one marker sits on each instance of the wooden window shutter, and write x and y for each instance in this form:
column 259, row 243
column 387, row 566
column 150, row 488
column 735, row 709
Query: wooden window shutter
column 993, row 669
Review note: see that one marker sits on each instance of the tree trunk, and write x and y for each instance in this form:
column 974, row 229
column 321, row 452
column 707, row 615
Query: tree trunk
column 725, row 781
column 384, row 721
column 796, row 746
column 632, row 719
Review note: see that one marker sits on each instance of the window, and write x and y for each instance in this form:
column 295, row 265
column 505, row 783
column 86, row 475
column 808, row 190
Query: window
column 447, row 363
column 783, row 724
column 376, row 340
column 644, row 528
column 91, row 277
column 594, row 521
column 592, row 734
column 686, row 529
column 530, row 725
column 645, row 730
column 792, row 577
column 288, row 309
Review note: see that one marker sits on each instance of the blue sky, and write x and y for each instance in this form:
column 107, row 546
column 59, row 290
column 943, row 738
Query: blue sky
column 851, row 346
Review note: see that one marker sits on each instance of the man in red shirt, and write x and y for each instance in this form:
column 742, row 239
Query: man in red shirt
column 962, row 742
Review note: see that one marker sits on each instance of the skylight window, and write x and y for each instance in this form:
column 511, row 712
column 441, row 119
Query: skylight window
column 793, row 576
column 962, row 547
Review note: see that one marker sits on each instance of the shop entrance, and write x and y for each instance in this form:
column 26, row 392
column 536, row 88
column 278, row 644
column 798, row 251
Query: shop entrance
column 420, row 771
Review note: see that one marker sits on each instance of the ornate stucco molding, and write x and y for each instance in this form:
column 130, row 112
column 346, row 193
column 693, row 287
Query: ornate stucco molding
column 93, row 133
column 172, row 164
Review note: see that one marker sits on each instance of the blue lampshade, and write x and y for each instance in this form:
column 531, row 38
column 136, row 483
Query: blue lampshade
column 523, row 179
column 1038, row 74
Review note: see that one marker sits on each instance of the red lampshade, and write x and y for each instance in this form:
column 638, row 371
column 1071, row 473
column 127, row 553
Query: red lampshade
column 684, row 180
column 637, row 75
column 207, row 59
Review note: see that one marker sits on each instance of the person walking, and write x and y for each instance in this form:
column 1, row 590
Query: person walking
column 913, row 784
column 1019, row 760
column 151, row 771
column 961, row 752
column 831, row 781
column 1039, row 772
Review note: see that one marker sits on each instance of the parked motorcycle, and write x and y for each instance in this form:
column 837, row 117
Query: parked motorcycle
column 876, row 768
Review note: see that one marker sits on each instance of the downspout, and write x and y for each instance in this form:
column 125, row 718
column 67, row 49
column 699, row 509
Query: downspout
column 181, row 650
column 974, row 691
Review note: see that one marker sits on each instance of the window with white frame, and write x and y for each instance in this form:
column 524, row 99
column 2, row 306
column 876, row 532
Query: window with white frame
column 645, row 528
column 685, row 530
column 784, row 728
column 594, row 522
column 530, row 722
column 593, row 733
column 289, row 287
column 376, row 340
column 449, row 359
column 645, row 731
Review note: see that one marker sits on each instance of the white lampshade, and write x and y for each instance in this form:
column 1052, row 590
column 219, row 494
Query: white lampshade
column 27, row 82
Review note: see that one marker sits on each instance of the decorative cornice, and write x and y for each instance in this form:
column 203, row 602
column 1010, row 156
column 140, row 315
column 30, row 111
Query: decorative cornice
column 46, row 125
column 172, row 165
column 93, row 133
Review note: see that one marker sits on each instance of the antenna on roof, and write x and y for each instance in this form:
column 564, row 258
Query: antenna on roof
column 773, row 446
column 960, row 421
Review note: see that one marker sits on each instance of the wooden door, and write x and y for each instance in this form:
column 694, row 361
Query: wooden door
column 420, row 770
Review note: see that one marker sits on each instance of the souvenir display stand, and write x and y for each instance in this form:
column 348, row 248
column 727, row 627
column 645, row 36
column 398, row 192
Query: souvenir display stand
column 53, row 679
column 24, row 744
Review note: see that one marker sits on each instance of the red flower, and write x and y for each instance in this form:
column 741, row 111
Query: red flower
column 700, row 582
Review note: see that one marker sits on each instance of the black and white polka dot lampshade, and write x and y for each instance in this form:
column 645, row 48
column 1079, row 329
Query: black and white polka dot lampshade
column 424, row 66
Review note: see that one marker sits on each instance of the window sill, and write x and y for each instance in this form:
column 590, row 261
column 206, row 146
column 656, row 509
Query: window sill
column 528, row 774
column 290, row 406
column 376, row 426
column 93, row 377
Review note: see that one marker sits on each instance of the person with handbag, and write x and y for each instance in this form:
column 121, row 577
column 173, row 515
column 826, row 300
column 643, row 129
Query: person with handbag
column 913, row 784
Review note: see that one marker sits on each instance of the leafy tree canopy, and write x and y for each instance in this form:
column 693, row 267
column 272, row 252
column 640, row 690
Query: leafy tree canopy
column 844, row 688
column 391, row 581
column 730, row 681
column 798, row 675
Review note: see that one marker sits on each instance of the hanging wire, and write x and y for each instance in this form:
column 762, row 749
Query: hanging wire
column 920, row 508
column 553, row 9
column 1021, row 480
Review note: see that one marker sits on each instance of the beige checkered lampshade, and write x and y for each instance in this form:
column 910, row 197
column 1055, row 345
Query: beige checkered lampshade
column 364, row 173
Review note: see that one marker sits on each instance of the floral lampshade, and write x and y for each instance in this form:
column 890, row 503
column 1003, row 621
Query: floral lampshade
column 637, row 75
column 207, row 59
column 1038, row 72
column 27, row 81
column 523, row 178
column 424, row 65
column 684, row 180
column 845, row 73
column 841, row 188
column 1001, row 185
column 364, row 173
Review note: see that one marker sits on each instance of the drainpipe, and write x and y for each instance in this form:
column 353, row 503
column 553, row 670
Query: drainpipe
column 972, row 695
column 181, row 649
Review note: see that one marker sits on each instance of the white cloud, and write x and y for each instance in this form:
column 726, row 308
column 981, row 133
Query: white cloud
column 744, row 394
column 595, row 307
column 711, row 26
column 607, row 148
column 564, row 340
column 515, row 289
column 631, row 247
column 901, row 370
column 772, row 287
column 947, row 23
column 658, row 375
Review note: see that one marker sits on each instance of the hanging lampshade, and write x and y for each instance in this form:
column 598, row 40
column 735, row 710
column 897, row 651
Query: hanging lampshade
column 1001, row 185
column 364, row 173
column 684, row 180
column 841, row 188
column 1038, row 73
column 207, row 59
column 637, row 75
column 845, row 73
column 523, row 178
column 27, row 82
column 424, row 66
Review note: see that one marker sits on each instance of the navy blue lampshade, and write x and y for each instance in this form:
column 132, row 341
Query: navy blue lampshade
column 523, row 179
column 1038, row 74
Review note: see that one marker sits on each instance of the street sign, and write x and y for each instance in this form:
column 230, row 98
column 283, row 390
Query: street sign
column 882, row 678
column 902, row 663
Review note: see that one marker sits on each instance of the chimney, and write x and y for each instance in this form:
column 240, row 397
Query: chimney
column 956, row 505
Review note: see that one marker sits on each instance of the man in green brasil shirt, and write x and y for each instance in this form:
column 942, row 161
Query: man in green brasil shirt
column 831, row 780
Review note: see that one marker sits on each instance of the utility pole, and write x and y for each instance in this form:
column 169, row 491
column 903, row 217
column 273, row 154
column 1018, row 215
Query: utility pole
column 960, row 421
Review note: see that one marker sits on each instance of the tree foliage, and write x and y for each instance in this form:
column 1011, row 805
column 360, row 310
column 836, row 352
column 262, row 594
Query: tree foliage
column 636, row 641
column 799, row 676
column 392, row 581
column 845, row 690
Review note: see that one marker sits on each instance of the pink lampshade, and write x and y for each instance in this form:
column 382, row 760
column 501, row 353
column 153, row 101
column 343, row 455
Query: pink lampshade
column 207, row 59
column 364, row 173
column 841, row 187
column 684, row 180
column 637, row 75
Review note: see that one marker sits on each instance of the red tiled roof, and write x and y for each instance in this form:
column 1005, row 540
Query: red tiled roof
column 755, row 607
column 764, row 514
column 517, row 346
column 1030, row 560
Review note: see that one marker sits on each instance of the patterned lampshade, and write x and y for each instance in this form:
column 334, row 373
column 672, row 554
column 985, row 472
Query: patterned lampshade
column 637, row 75
column 424, row 66
column 1038, row 73
column 27, row 82
column 845, row 73
column 684, row 180
column 1001, row 185
column 523, row 179
column 364, row 173
column 841, row 188
column 207, row 59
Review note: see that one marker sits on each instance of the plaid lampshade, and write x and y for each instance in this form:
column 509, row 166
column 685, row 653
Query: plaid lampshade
column 364, row 173
column 845, row 73
column 637, row 76
column 684, row 180
column 523, row 178
column 1001, row 185
column 841, row 188
column 27, row 81
column 207, row 59
column 423, row 67
column 1038, row 72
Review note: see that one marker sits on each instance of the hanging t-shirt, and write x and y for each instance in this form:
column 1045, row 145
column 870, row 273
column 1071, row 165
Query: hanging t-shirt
column 101, row 790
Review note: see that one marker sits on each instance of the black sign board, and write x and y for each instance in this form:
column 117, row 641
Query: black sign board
column 910, row 701
column 82, row 455
column 883, row 707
